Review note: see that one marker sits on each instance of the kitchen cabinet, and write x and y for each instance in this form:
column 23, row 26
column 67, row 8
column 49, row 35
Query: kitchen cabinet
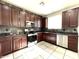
column 24, row 41
column 19, row 42
column 16, row 43
column 43, row 22
column 32, row 17
column 62, row 40
column 6, row 15
column 0, row 15
column 15, row 17
column 37, row 21
column 5, row 45
column 73, row 42
column 50, row 37
column 22, row 18
column 40, row 37
column 27, row 16
column 9, row 44
column 70, row 18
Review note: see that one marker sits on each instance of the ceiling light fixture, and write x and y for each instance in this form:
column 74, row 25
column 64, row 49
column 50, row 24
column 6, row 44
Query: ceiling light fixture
column 42, row 3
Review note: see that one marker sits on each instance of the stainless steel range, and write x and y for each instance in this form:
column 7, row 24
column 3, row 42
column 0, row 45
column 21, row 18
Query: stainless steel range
column 32, row 35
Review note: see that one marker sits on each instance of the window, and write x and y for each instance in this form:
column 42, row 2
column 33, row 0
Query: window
column 55, row 21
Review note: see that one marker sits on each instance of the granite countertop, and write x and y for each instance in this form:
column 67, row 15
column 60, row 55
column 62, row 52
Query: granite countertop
column 60, row 32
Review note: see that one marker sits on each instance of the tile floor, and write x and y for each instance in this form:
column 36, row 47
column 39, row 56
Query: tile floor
column 42, row 50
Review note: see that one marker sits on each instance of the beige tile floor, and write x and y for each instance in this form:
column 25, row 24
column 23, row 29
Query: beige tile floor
column 42, row 50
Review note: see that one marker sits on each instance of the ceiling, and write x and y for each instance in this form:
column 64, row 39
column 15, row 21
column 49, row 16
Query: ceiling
column 49, row 7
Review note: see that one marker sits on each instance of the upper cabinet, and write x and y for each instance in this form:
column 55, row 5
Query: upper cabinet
column 15, row 17
column 0, row 14
column 27, row 16
column 32, row 17
column 22, row 18
column 6, row 15
column 70, row 18
column 43, row 22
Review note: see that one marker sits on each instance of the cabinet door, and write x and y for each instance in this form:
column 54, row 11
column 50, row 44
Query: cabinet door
column 0, row 15
column 43, row 22
column 40, row 37
column 24, row 42
column 32, row 17
column 38, row 21
column 6, row 15
column 27, row 16
column 73, row 43
column 73, row 17
column 65, row 19
column 51, row 38
column 6, row 46
column 22, row 18
column 16, row 43
column 15, row 17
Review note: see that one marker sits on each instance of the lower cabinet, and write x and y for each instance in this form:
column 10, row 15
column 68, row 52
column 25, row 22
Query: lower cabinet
column 19, row 42
column 24, row 41
column 73, row 42
column 10, row 44
column 40, row 37
column 16, row 43
column 5, row 45
column 50, row 37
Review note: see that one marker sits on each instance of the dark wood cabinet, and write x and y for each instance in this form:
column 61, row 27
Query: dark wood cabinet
column 15, row 17
column 5, row 45
column 16, row 43
column 32, row 17
column 70, row 18
column 73, row 42
column 10, row 44
column 40, row 21
column 40, row 37
column 0, row 15
column 22, row 19
column 73, row 17
column 50, row 37
column 19, row 42
column 24, row 41
column 6, row 15
column 65, row 20
column 43, row 22
column 27, row 16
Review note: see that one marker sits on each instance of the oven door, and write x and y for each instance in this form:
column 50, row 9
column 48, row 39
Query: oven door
column 32, row 38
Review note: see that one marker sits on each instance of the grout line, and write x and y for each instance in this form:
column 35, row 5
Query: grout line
column 13, row 55
column 51, row 53
column 64, row 54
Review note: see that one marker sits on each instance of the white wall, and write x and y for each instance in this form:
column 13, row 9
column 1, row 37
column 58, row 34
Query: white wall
column 55, row 21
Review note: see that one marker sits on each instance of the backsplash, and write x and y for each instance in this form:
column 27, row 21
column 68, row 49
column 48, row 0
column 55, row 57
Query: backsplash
column 11, row 30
